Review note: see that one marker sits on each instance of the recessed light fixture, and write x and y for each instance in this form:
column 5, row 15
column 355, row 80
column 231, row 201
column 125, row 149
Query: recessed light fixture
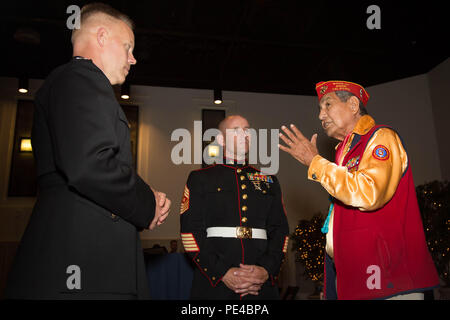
column 217, row 96
column 125, row 91
column 23, row 85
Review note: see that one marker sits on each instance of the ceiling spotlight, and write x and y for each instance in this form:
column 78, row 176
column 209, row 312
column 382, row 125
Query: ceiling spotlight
column 125, row 91
column 217, row 96
column 23, row 85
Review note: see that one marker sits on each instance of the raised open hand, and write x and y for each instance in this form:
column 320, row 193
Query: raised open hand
column 298, row 145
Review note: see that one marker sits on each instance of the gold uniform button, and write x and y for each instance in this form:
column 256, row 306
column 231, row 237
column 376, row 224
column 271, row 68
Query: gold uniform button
column 242, row 178
column 238, row 170
column 244, row 196
column 264, row 191
column 113, row 215
column 244, row 219
column 219, row 189
column 244, row 208
column 243, row 187
column 213, row 278
column 206, row 269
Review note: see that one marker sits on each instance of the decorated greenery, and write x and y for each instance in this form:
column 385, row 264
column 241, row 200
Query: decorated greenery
column 309, row 243
column 434, row 203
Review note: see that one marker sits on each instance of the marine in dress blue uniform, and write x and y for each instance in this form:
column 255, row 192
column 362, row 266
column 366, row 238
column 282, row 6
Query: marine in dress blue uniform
column 246, row 206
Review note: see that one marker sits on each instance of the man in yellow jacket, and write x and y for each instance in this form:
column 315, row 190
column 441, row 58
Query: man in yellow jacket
column 375, row 244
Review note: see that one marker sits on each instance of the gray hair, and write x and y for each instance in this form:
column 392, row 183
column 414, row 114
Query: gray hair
column 345, row 95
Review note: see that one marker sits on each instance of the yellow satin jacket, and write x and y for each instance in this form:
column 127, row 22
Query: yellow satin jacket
column 373, row 183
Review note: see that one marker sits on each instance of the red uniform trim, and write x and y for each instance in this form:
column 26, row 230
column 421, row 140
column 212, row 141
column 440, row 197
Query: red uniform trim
column 239, row 206
column 207, row 277
column 282, row 202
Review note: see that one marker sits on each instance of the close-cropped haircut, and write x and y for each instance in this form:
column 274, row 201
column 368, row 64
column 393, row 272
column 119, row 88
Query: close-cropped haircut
column 98, row 7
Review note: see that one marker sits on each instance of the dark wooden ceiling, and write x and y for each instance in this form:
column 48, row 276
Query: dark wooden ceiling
column 255, row 45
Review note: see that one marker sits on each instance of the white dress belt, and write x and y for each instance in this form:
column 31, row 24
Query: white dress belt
column 236, row 232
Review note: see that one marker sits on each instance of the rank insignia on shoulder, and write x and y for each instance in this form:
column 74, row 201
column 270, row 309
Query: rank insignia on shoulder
column 380, row 152
column 259, row 177
column 185, row 200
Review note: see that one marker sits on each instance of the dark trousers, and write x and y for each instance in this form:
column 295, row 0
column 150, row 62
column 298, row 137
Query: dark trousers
column 330, row 281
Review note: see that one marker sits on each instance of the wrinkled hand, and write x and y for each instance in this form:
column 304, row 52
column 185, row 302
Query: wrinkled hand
column 254, row 274
column 162, row 209
column 298, row 146
column 247, row 279
column 231, row 280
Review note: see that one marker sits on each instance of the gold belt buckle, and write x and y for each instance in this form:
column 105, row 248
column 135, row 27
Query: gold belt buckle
column 244, row 232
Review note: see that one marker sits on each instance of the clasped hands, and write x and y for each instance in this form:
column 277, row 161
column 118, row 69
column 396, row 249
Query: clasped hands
column 247, row 279
column 162, row 209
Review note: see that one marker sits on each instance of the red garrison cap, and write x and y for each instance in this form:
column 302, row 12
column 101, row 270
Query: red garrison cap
column 325, row 87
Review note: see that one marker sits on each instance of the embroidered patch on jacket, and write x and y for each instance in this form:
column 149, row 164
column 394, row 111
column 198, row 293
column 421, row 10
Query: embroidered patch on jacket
column 185, row 200
column 189, row 243
column 352, row 164
column 380, row 152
